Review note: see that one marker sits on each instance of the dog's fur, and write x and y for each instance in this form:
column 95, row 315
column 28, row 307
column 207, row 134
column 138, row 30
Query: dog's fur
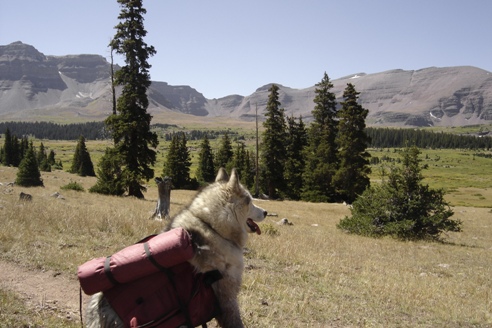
column 219, row 219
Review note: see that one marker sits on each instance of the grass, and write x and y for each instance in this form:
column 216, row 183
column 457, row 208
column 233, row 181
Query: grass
column 466, row 178
column 309, row 274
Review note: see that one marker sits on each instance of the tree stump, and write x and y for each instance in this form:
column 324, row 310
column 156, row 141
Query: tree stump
column 163, row 203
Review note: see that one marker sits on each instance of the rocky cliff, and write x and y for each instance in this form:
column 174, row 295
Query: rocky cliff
column 31, row 82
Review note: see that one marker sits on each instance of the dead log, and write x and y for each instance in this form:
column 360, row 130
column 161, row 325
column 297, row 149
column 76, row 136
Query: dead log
column 164, row 202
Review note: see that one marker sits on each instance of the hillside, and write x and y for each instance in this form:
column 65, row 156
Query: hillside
column 70, row 88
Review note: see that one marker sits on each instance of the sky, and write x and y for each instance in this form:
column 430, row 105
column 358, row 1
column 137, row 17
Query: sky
column 225, row 47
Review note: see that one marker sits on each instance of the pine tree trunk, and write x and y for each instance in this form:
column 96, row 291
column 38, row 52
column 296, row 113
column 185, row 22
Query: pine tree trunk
column 164, row 201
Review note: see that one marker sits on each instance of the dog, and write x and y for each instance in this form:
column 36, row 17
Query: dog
column 219, row 219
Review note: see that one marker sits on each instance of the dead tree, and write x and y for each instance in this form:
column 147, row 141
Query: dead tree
column 163, row 203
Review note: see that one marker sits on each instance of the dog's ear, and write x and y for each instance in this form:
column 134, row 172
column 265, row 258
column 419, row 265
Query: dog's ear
column 222, row 176
column 234, row 180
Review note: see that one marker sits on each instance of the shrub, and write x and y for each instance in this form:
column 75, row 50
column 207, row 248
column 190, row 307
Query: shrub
column 73, row 186
column 402, row 206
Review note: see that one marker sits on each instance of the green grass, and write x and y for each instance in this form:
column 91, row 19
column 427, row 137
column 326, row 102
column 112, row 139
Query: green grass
column 461, row 174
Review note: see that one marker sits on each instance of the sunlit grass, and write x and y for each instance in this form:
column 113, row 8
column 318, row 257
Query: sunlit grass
column 309, row 274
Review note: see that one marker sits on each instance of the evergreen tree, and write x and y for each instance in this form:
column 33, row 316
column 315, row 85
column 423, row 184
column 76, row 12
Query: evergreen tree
column 41, row 156
column 109, row 180
column 273, row 147
column 352, row 178
column 295, row 163
column 21, row 148
column 243, row 162
column 402, row 206
column 51, row 158
column 225, row 153
column 28, row 174
column 9, row 156
column 42, row 159
column 130, row 127
column 178, row 163
column 206, row 168
column 81, row 162
column 321, row 153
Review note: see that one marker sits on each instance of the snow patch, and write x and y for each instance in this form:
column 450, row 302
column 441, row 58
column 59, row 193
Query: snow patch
column 433, row 116
column 84, row 95
column 355, row 77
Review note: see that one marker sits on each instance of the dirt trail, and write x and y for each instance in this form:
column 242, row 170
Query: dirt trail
column 47, row 290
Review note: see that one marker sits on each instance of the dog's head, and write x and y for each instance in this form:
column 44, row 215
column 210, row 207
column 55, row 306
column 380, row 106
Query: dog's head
column 246, row 213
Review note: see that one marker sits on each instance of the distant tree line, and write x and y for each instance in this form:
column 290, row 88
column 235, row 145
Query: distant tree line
column 200, row 134
column 380, row 137
column 54, row 131
column 397, row 138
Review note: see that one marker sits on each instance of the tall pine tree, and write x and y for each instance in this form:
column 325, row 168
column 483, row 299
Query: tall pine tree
column 42, row 159
column 224, row 155
column 321, row 153
column 9, row 155
column 130, row 127
column 206, row 168
column 273, row 153
column 352, row 178
column 295, row 163
column 243, row 162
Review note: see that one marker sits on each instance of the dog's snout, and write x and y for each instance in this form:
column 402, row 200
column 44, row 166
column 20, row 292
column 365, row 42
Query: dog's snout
column 265, row 213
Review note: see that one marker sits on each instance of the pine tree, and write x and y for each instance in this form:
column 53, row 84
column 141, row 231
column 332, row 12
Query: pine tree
column 51, row 158
column 273, row 153
column 9, row 156
column 28, row 174
column 178, row 163
column 295, row 163
column 352, row 178
column 225, row 153
column 21, row 148
column 130, row 127
column 206, row 168
column 321, row 153
column 109, row 180
column 243, row 162
column 81, row 162
column 402, row 206
column 42, row 159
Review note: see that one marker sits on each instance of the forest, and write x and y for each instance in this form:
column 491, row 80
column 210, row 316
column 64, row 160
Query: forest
column 379, row 137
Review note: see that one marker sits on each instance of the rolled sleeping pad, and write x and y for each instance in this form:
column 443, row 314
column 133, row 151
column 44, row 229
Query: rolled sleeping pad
column 136, row 261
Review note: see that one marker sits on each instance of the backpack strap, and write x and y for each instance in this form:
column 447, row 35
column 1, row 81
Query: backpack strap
column 170, row 276
column 107, row 271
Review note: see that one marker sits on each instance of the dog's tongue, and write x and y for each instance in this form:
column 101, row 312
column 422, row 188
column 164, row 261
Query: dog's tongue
column 253, row 226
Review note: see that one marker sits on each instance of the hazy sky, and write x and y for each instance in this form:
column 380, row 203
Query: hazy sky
column 229, row 47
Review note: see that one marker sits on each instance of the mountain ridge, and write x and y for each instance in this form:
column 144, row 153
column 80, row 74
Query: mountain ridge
column 32, row 84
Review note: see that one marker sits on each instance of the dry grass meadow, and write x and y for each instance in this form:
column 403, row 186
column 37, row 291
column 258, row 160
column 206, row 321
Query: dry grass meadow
column 308, row 274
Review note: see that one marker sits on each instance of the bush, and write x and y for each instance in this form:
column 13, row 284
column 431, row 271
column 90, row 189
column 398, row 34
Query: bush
column 402, row 206
column 73, row 186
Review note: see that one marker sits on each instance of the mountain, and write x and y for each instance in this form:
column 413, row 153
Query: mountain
column 35, row 86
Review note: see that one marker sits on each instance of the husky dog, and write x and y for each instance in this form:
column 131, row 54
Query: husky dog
column 219, row 219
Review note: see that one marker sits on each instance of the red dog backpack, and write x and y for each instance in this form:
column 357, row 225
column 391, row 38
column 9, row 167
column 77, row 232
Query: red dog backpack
column 151, row 284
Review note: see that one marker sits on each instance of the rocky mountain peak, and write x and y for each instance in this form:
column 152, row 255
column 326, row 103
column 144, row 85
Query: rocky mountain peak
column 80, row 84
column 20, row 51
